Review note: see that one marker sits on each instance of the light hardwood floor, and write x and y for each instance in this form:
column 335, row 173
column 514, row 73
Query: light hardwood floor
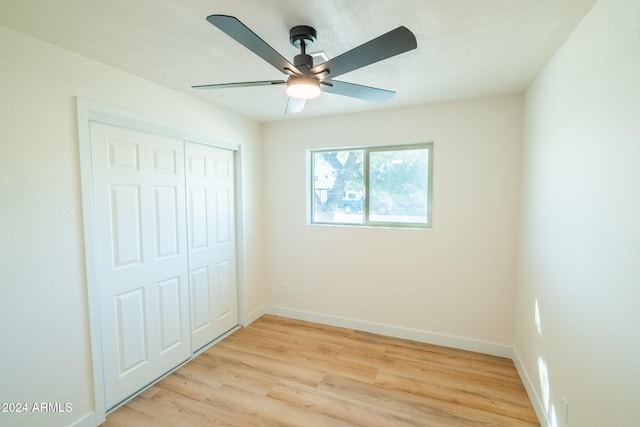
column 284, row 372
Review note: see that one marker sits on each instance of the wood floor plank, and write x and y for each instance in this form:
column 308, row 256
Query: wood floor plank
column 308, row 357
column 335, row 406
column 230, row 374
column 446, row 392
column 127, row 416
column 266, row 364
column 428, row 411
column 291, row 373
column 175, row 409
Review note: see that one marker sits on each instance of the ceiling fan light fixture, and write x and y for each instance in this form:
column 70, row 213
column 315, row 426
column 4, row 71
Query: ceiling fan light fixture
column 303, row 87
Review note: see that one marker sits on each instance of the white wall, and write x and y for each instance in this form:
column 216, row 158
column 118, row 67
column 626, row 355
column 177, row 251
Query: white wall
column 44, row 337
column 456, row 279
column 580, row 227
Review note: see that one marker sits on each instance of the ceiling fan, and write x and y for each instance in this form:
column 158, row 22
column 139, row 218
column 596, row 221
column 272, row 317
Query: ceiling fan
column 307, row 80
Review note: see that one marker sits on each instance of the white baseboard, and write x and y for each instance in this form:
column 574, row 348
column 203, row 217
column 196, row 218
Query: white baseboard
column 392, row 331
column 88, row 420
column 536, row 402
column 254, row 315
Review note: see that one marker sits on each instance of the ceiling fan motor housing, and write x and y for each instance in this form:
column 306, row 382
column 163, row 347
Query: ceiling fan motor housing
column 303, row 62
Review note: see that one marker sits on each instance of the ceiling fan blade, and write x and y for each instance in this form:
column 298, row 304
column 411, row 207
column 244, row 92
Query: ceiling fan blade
column 295, row 105
column 385, row 46
column 240, row 84
column 242, row 34
column 358, row 91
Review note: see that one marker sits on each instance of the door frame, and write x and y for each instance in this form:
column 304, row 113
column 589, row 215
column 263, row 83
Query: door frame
column 91, row 111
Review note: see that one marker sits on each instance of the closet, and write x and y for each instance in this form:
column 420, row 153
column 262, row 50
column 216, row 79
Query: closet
column 163, row 222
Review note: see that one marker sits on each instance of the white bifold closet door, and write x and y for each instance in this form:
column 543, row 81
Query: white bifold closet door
column 146, row 230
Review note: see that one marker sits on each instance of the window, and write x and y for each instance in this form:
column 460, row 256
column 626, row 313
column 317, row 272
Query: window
column 375, row 186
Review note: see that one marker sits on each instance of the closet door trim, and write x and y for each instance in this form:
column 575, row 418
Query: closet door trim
column 91, row 111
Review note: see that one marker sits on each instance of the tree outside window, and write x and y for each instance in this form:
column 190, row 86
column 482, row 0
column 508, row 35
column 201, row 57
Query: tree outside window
column 375, row 186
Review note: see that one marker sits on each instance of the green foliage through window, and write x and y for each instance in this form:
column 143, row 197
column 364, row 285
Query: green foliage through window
column 375, row 186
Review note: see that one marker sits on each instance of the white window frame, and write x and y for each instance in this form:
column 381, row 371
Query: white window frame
column 366, row 221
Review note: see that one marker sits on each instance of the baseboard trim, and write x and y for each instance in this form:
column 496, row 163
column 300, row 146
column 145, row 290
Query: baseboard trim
column 88, row 420
column 462, row 343
column 536, row 402
column 254, row 315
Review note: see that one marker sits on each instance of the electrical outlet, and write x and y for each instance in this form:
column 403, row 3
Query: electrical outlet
column 285, row 289
column 566, row 410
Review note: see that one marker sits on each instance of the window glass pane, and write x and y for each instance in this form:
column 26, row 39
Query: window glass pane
column 398, row 186
column 338, row 187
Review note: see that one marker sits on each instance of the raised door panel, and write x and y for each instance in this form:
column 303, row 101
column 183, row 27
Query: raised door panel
column 167, row 229
column 226, row 301
column 132, row 331
column 200, row 301
column 198, row 219
column 224, row 212
column 170, row 313
column 125, row 225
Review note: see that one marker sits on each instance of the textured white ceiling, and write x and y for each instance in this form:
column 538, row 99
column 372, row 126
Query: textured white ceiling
column 466, row 48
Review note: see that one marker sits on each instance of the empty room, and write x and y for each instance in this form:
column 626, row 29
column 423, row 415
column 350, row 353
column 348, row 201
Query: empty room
column 320, row 213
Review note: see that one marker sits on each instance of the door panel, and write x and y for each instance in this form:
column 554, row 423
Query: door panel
column 201, row 313
column 212, row 252
column 223, row 208
column 198, row 219
column 132, row 331
column 167, row 227
column 169, row 311
column 139, row 199
column 123, row 155
column 226, row 300
column 125, row 225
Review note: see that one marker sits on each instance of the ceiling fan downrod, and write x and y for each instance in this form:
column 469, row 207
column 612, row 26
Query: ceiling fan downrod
column 303, row 37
